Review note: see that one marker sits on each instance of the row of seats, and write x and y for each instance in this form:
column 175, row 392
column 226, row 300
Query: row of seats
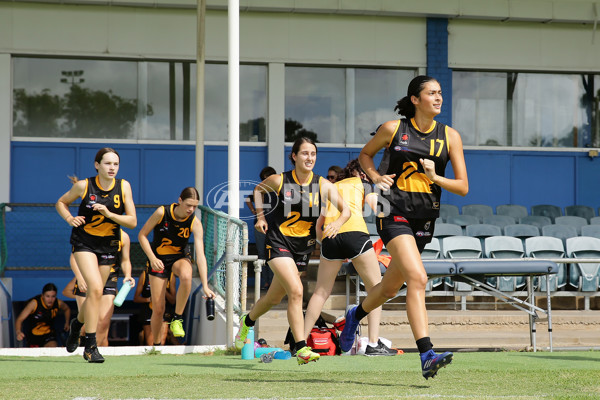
column 518, row 211
column 521, row 231
column 584, row 277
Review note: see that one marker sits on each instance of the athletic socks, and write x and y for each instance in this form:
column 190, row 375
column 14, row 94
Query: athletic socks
column 424, row 344
column 77, row 325
column 248, row 321
column 360, row 313
column 176, row 316
column 300, row 345
column 90, row 339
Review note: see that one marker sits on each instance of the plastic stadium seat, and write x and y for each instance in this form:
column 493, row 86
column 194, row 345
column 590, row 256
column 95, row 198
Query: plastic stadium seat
column 562, row 232
column 432, row 251
column 499, row 220
column 460, row 247
column 481, row 231
column 443, row 230
column 586, row 212
column 575, row 222
column 591, row 230
column 463, row 220
column 505, row 247
column 595, row 221
column 584, row 276
column 552, row 248
column 521, row 231
column 537, row 220
column 447, row 210
column 547, row 210
column 512, row 210
column 478, row 210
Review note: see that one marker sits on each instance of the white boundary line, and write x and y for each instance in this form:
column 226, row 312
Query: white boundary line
column 107, row 351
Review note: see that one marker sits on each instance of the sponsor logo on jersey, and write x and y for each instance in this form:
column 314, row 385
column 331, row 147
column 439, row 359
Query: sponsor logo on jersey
column 398, row 218
column 404, row 139
column 421, row 233
column 427, row 225
column 288, row 195
column 92, row 197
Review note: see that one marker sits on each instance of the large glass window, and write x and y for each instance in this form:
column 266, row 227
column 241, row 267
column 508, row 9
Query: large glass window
column 525, row 109
column 74, row 98
column 113, row 99
column 341, row 105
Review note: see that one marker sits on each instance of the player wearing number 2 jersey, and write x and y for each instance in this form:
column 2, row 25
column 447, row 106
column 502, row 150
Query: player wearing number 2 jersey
column 106, row 205
column 291, row 238
column 173, row 225
column 411, row 175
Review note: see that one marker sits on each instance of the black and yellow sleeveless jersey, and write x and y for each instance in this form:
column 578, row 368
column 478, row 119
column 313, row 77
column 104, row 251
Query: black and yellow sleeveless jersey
column 413, row 194
column 99, row 233
column 292, row 222
column 353, row 191
column 42, row 318
column 171, row 236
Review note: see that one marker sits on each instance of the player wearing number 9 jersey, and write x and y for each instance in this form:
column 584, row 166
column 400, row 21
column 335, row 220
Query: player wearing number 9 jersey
column 173, row 225
column 106, row 205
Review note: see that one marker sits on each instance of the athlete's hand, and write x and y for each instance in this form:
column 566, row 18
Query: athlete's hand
column 20, row 336
column 332, row 229
column 101, row 208
column 429, row 168
column 67, row 326
column 82, row 286
column 157, row 265
column 208, row 294
column 261, row 225
column 385, row 182
column 76, row 221
column 129, row 280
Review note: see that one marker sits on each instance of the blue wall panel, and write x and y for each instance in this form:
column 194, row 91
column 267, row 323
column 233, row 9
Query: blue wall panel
column 543, row 179
column 588, row 181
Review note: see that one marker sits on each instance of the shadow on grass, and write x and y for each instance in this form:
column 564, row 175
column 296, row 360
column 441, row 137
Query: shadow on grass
column 570, row 357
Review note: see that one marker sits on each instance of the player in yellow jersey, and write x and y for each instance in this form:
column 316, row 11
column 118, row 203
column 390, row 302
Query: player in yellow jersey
column 351, row 243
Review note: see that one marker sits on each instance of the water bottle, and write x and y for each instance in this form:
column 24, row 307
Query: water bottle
column 123, row 292
column 248, row 349
column 210, row 308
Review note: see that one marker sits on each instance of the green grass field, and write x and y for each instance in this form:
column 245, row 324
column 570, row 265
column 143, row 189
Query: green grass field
column 506, row 375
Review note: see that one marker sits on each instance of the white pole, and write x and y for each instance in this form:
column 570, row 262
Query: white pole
column 234, row 108
column 200, row 60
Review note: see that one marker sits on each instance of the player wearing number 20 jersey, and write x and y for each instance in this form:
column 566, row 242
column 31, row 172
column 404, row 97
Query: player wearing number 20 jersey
column 170, row 241
column 99, row 234
column 292, row 224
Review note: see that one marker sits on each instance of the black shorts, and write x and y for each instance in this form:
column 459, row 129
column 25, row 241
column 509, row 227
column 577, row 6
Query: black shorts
column 347, row 245
column 145, row 313
column 40, row 340
column 168, row 263
column 103, row 258
column 395, row 225
column 301, row 260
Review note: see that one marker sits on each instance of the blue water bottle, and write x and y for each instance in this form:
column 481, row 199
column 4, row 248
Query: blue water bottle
column 123, row 292
column 248, row 349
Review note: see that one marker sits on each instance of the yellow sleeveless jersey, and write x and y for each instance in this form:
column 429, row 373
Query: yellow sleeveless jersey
column 352, row 191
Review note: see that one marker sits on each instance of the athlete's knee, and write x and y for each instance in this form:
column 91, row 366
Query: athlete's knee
column 417, row 281
column 295, row 295
column 94, row 293
column 158, row 310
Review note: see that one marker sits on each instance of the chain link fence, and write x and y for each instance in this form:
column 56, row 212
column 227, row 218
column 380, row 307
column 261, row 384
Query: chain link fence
column 35, row 237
